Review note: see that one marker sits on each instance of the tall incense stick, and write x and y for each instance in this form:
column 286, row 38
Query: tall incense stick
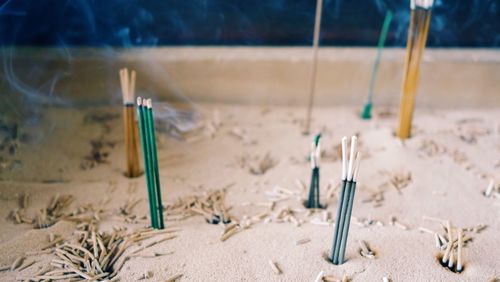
column 317, row 28
column 341, row 199
column 131, row 133
column 350, row 204
column 346, row 200
column 147, row 163
column 154, row 161
column 381, row 41
column 148, row 140
column 417, row 36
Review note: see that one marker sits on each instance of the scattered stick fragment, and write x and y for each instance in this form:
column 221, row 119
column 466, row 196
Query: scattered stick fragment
column 439, row 244
column 209, row 205
column 459, row 250
column 425, row 230
column 229, row 232
column 174, row 277
column 17, row 263
column 263, row 165
column 26, row 265
column 394, row 222
column 302, row 241
column 489, row 189
column 274, row 266
column 450, row 243
column 320, row 276
column 385, row 279
column 329, row 278
column 400, row 180
column 365, row 250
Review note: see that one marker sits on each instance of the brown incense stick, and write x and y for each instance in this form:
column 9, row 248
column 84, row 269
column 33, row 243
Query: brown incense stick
column 131, row 132
column 417, row 36
column 317, row 28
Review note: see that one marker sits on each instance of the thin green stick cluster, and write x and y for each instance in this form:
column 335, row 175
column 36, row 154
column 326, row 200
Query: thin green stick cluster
column 383, row 34
column 346, row 201
column 148, row 141
column 313, row 201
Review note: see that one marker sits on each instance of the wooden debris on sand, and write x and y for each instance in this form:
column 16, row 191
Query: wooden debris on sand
column 366, row 222
column 17, row 263
column 365, row 250
column 400, row 180
column 19, row 214
column 242, row 135
column 46, row 217
column 97, row 256
column 257, row 165
column 395, row 222
column 376, row 197
column 173, row 278
column 53, row 212
column 302, row 241
column 274, row 266
column 279, row 193
column 210, row 205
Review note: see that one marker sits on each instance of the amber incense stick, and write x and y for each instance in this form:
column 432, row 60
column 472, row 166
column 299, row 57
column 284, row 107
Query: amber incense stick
column 317, row 28
column 417, row 36
column 131, row 132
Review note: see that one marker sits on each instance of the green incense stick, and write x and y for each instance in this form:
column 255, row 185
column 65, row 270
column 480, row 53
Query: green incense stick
column 313, row 200
column 337, row 220
column 316, row 139
column 316, row 190
column 383, row 35
column 340, row 223
column 343, row 242
column 147, row 164
column 154, row 162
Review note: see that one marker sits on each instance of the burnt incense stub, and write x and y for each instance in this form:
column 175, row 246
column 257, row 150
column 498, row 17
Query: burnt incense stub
column 217, row 219
column 313, row 199
column 453, row 268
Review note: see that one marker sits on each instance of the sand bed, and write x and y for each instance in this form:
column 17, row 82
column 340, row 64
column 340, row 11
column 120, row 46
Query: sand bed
column 451, row 159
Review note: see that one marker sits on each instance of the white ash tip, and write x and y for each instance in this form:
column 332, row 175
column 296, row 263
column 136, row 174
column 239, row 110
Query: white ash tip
column 344, row 158
column 149, row 103
column 356, row 166
column 350, row 170
column 489, row 189
column 139, row 101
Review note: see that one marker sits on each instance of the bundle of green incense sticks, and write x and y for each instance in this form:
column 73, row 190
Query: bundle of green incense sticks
column 346, row 200
column 313, row 200
column 148, row 141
